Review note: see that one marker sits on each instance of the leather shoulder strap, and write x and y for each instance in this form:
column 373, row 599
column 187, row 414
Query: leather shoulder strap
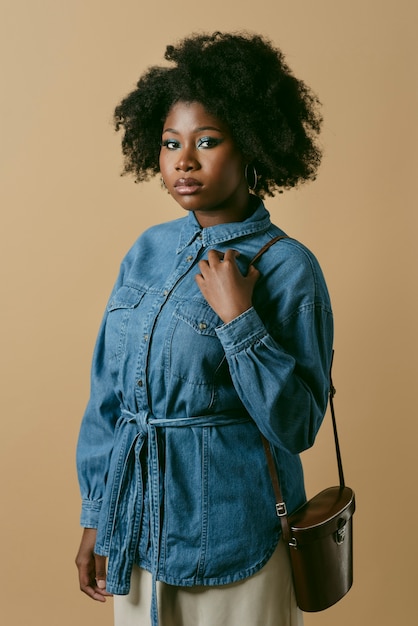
column 281, row 509
column 267, row 246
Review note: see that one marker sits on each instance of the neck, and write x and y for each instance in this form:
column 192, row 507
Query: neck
column 226, row 216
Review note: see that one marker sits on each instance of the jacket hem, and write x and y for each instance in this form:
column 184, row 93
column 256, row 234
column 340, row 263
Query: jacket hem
column 214, row 581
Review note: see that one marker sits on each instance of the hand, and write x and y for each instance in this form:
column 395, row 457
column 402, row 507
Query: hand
column 91, row 567
column 226, row 290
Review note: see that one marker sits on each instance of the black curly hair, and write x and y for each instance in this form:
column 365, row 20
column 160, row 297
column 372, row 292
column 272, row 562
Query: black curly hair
column 244, row 81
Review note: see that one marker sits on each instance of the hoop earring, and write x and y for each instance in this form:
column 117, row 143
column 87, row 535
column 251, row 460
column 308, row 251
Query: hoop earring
column 251, row 184
column 162, row 184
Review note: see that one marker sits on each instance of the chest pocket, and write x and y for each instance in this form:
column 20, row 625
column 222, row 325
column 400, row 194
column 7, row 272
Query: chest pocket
column 196, row 354
column 120, row 310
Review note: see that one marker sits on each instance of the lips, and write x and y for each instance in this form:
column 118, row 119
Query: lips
column 187, row 186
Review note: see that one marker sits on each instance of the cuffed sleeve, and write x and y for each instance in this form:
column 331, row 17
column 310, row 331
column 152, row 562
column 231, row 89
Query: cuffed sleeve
column 90, row 511
column 241, row 332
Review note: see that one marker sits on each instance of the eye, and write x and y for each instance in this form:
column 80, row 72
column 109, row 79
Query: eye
column 208, row 142
column 170, row 144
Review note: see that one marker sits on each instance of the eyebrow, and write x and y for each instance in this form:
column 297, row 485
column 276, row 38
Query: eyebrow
column 196, row 130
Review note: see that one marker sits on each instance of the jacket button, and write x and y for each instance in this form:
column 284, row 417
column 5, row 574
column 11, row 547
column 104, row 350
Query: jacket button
column 189, row 258
column 203, row 325
column 139, row 383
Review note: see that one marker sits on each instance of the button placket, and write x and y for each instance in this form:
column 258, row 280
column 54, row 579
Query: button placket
column 170, row 282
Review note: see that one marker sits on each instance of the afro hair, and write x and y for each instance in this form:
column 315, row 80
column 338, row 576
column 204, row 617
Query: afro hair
column 241, row 79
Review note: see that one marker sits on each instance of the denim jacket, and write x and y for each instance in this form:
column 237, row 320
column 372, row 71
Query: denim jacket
column 170, row 460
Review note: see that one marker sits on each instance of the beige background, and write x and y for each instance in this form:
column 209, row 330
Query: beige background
column 67, row 218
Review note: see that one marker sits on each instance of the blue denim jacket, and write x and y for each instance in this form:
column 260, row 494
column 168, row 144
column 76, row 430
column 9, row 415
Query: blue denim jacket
column 170, row 460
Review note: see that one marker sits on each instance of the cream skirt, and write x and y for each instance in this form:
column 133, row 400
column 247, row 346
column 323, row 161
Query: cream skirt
column 265, row 599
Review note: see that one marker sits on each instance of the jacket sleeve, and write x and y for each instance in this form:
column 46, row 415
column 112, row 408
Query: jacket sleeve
column 280, row 364
column 95, row 441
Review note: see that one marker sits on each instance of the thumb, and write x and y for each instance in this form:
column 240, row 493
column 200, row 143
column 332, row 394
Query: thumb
column 253, row 274
column 100, row 563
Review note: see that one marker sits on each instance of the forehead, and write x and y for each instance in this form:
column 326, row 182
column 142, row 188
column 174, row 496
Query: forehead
column 191, row 117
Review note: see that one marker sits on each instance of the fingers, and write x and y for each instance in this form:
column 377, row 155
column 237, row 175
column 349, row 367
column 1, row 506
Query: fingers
column 253, row 274
column 92, row 589
column 92, row 583
column 91, row 568
column 215, row 259
column 100, row 567
column 231, row 255
column 215, row 256
column 223, row 286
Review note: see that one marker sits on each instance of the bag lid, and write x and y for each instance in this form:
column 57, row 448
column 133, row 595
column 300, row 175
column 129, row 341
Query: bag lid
column 323, row 514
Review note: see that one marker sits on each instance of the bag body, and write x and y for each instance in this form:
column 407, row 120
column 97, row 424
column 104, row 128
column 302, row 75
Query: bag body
column 321, row 548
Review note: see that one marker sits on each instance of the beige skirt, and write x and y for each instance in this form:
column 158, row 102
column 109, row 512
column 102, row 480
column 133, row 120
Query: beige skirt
column 265, row 599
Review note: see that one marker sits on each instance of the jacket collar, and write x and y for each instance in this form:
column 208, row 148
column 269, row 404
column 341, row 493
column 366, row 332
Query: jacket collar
column 258, row 222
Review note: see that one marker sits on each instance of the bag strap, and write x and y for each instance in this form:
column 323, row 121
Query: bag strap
column 281, row 509
column 266, row 247
column 332, row 392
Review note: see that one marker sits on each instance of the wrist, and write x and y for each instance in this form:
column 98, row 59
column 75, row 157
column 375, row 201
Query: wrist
column 232, row 314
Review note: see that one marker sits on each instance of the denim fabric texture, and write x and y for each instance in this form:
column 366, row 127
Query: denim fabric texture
column 170, row 460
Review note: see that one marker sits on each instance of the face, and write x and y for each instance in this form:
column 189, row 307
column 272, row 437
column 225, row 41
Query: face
column 201, row 166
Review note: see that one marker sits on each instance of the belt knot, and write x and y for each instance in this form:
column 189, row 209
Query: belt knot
column 141, row 419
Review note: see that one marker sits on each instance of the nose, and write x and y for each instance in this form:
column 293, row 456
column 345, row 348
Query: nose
column 186, row 160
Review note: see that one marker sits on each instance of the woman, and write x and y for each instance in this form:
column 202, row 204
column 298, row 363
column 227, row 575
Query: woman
column 199, row 350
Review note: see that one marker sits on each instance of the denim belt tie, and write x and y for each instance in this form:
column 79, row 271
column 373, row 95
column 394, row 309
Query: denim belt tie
column 117, row 538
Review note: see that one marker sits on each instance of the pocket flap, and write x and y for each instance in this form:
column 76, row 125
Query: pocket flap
column 125, row 298
column 199, row 316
